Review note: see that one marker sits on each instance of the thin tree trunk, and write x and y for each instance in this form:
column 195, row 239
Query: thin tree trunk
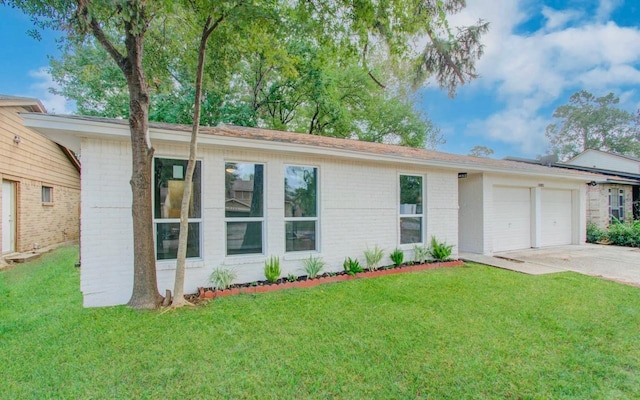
column 178, row 287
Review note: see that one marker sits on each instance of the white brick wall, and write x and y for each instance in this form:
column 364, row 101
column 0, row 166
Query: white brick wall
column 358, row 209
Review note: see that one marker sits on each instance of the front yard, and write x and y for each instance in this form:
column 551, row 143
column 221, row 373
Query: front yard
column 470, row 332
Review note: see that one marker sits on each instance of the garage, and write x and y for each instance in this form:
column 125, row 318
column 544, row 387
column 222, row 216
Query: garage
column 512, row 218
column 556, row 217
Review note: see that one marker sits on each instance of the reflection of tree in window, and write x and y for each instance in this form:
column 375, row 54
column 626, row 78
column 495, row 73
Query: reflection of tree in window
column 301, row 210
column 244, row 207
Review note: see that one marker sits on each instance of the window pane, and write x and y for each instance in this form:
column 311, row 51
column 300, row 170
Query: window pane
column 410, row 230
column 244, row 183
column 244, row 237
column 46, row 194
column 300, row 191
column 410, row 194
column 301, row 235
column 167, row 240
column 169, row 188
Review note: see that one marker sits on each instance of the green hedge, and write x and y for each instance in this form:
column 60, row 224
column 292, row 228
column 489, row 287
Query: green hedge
column 618, row 233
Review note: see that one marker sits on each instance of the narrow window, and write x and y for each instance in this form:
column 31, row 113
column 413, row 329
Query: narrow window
column 301, row 208
column 47, row 194
column 244, row 208
column 616, row 205
column 411, row 210
column 169, row 175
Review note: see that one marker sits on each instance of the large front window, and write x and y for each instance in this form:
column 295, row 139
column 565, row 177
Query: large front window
column 411, row 210
column 168, row 188
column 301, row 208
column 244, row 207
column 616, row 204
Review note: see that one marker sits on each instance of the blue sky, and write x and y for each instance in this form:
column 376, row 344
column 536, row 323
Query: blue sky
column 537, row 54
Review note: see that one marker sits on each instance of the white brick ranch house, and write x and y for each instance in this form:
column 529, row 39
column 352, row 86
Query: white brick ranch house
column 261, row 193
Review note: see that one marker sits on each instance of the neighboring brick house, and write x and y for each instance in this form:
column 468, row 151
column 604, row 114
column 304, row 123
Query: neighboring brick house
column 261, row 193
column 40, row 194
column 614, row 194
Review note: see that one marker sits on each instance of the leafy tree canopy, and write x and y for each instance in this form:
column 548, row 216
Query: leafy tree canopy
column 319, row 67
column 590, row 122
column 481, row 151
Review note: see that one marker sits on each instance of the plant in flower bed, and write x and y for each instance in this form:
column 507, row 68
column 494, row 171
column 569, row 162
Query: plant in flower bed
column 272, row 269
column 352, row 266
column 420, row 254
column 397, row 256
column 312, row 266
column 440, row 251
column 222, row 278
column 373, row 257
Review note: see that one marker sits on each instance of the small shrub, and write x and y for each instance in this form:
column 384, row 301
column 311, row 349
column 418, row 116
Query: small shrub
column 624, row 233
column 440, row 251
column 272, row 269
column 397, row 256
column 222, row 278
column 312, row 266
column 594, row 233
column 292, row 278
column 352, row 266
column 373, row 257
column 420, row 253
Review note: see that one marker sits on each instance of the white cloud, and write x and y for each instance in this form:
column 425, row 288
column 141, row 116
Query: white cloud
column 40, row 89
column 605, row 8
column 527, row 71
column 559, row 18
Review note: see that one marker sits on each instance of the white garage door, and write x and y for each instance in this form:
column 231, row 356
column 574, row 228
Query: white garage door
column 556, row 217
column 512, row 218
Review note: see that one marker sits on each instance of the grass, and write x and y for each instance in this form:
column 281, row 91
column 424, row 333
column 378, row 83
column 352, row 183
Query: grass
column 463, row 333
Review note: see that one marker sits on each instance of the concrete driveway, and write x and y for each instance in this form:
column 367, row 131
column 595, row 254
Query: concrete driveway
column 621, row 264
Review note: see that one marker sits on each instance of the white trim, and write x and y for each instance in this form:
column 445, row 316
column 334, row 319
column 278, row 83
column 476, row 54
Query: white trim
column 245, row 256
column 422, row 216
column 69, row 131
column 316, row 219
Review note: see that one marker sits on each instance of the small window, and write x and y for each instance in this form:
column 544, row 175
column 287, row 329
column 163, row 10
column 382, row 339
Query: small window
column 47, row 194
column 168, row 191
column 301, row 208
column 616, row 205
column 244, row 208
column 411, row 213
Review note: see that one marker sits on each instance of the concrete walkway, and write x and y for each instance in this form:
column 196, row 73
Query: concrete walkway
column 621, row 264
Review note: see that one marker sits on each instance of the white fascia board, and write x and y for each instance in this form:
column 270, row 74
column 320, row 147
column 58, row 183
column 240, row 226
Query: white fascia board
column 69, row 131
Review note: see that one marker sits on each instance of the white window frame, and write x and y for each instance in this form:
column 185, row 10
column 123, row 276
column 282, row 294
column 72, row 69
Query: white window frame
column 414, row 215
column 262, row 220
column 157, row 221
column 303, row 219
column 617, row 195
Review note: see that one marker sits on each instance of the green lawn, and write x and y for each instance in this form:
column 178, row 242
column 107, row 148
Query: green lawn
column 470, row 332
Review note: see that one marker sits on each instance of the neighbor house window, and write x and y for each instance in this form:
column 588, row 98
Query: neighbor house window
column 301, row 208
column 411, row 210
column 244, row 207
column 168, row 185
column 47, row 194
column 616, row 204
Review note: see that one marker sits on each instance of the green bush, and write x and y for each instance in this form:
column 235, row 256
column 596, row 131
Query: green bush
column 373, row 257
column 312, row 266
column 222, row 278
column 397, row 256
column 440, row 251
column 594, row 233
column 624, row 233
column 272, row 269
column 352, row 266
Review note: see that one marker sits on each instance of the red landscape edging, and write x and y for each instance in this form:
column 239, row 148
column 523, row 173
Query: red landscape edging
column 208, row 294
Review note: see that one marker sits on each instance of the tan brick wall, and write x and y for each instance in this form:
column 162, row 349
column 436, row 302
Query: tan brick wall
column 598, row 203
column 46, row 224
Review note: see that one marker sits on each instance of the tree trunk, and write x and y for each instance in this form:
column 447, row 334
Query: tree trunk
column 178, row 287
column 145, row 286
